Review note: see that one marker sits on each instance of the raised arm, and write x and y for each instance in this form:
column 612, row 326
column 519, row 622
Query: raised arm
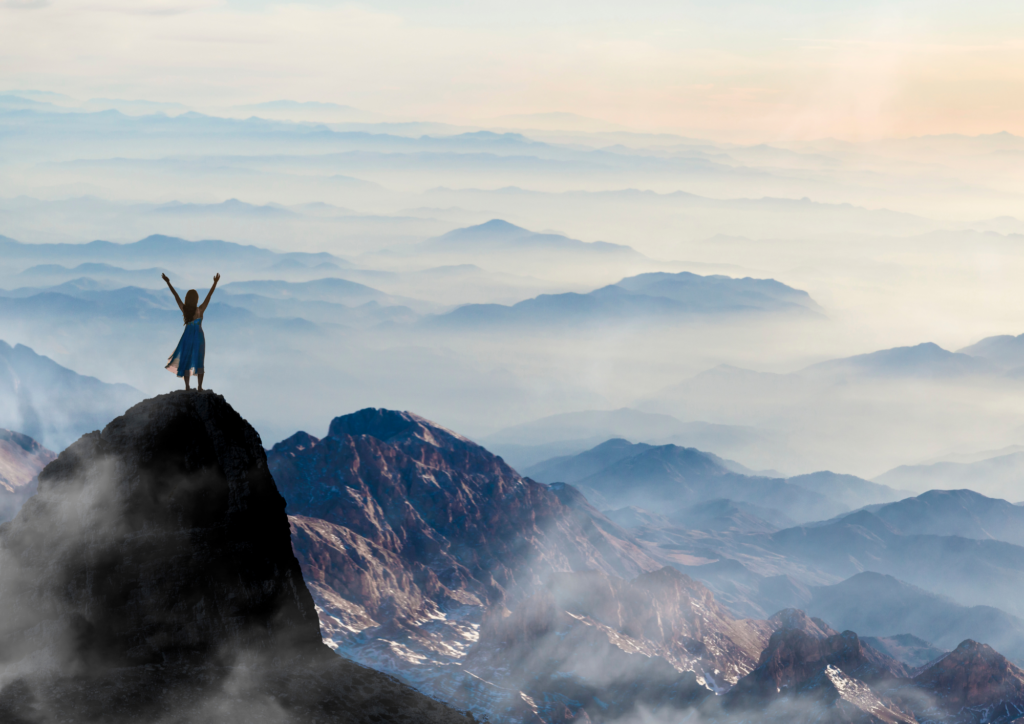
column 176, row 297
column 216, row 278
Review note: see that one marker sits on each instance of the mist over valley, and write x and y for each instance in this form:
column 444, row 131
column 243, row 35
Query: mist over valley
column 518, row 417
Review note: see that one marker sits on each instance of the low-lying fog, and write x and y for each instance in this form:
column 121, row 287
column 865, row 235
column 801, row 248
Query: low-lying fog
column 873, row 246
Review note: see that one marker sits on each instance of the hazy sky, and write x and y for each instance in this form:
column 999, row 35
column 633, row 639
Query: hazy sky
column 724, row 69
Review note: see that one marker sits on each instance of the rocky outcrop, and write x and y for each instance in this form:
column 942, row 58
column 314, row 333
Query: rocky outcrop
column 21, row 459
column 973, row 683
column 442, row 502
column 152, row 577
column 409, row 534
column 809, row 673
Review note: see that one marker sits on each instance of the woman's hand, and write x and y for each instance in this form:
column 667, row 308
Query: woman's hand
column 164, row 277
column 216, row 277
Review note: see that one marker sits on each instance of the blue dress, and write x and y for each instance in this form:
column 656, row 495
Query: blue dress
column 191, row 350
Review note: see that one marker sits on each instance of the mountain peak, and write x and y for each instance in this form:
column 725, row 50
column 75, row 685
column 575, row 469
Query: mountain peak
column 159, row 548
column 184, row 461
column 393, row 426
column 794, row 618
column 973, row 674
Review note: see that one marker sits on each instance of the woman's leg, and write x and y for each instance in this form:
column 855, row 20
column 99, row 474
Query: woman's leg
column 199, row 377
column 187, row 374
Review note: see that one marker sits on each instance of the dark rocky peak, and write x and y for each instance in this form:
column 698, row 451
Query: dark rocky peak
column 975, row 676
column 794, row 618
column 169, row 509
column 152, row 568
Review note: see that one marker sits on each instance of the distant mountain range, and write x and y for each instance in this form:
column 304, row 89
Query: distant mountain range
column 962, row 513
column 870, row 399
column 882, row 605
column 997, row 476
column 337, row 291
column 569, row 433
column 52, row 404
column 974, row 572
column 653, row 296
column 158, row 250
column 1005, row 351
column 668, row 478
column 500, row 236
column 923, row 360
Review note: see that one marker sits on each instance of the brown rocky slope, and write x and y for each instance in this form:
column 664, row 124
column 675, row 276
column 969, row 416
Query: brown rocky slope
column 21, row 459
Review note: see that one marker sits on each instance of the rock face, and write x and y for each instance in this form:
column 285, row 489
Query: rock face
column 21, row 459
column 417, row 544
column 429, row 558
column 154, row 565
column 973, row 683
column 810, row 673
column 402, row 524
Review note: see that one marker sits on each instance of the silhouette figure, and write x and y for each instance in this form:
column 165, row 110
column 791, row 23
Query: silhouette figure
column 188, row 356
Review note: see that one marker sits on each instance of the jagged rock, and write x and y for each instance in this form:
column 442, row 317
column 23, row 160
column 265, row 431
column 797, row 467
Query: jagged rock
column 152, row 577
column 806, row 675
column 971, row 684
column 441, row 501
column 409, row 534
column 793, row 656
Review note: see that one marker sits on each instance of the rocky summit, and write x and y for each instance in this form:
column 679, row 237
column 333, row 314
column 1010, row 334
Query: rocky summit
column 151, row 578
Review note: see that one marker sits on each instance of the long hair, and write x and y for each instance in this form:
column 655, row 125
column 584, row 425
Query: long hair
column 191, row 302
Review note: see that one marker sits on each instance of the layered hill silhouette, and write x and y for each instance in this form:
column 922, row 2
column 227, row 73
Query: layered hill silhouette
column 882, row 605
column 845, row 490
column 566, row 434
column 653, row 296
column 498, row 235
column 156, row 250
column 152, row 578
column 669, row 478
column 973, row 572
column 962, row 513
column 52, row 404
column 998, row 475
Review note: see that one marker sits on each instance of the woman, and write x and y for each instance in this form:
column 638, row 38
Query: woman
column 188, row 356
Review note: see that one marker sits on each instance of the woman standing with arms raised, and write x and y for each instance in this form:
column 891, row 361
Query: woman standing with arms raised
column 191, row 350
